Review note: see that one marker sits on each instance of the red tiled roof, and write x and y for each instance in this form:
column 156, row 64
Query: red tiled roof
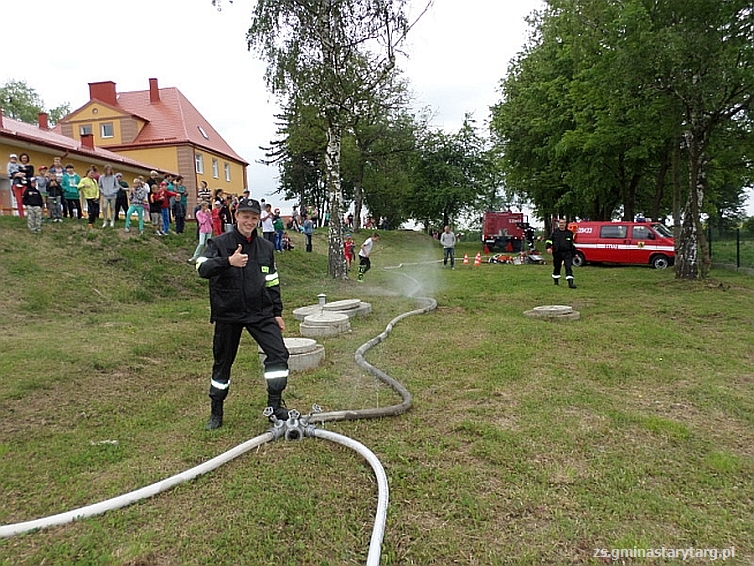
column 16, row 129
column 173, row 119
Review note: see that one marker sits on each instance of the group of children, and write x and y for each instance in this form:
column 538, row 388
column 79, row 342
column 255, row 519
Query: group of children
column 61, row 193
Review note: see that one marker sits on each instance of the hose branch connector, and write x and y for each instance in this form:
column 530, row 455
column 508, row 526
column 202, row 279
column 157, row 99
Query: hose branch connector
column 295, row 427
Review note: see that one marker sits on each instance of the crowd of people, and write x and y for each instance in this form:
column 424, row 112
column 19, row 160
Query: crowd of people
column 57, row 193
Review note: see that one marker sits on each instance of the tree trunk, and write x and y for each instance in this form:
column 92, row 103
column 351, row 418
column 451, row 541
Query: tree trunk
column 358, row 200
column 629, row 203
column 336, row 259
column 692, row 245
column 660, row 180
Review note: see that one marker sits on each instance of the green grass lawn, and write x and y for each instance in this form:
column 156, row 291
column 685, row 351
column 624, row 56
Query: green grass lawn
column 529, row 442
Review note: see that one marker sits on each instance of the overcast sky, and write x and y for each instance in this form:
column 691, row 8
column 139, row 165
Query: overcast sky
column 458, row 53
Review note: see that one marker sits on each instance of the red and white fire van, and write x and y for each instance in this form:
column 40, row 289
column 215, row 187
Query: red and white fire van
column 648, row 243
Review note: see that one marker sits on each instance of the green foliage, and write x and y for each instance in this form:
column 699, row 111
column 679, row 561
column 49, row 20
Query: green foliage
column 335, row 57
column 21, row 102
column 451, row 174
column 596, row 105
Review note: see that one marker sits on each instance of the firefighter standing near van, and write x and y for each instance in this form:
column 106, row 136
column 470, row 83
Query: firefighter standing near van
column 562, row 248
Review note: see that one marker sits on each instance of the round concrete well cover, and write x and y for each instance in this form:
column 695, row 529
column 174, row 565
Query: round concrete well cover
column 344, row 305
column 553, row 310
column 300, row 345
column 326, row 319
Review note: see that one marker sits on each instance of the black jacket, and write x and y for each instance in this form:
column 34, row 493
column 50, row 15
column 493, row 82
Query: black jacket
column 561, row 241
column 241, row 295
column 32, row 197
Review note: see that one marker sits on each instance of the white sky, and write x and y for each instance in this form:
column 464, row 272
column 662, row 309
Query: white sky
column 458, row 53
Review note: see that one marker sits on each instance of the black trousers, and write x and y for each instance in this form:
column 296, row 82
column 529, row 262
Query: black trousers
column 225, row 347
column 93, row 205
column 70, row 205
column 559, row 258
column 121, row 203
column 365, row 264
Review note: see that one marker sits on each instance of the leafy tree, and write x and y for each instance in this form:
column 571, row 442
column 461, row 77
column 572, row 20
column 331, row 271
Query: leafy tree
column 451, row 174
column 532, row 118
column 21, row 102
column 332, row 55
column 379, row 131
column 705, row 61
column 387, row 168
column 299, row 154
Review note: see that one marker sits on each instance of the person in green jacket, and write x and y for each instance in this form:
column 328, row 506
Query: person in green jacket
column 70, row 185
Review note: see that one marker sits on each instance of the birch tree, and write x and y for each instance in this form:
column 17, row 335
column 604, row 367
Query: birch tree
column 706, row 61
column 332, row 55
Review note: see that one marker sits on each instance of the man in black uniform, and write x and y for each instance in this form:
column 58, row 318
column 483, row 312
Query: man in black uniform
column 562, row 248
column 244, row 292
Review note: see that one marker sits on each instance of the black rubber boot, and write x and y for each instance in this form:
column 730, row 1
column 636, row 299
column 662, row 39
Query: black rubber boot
column 555, row 281
column 279, row 409
column 216, row 416
column 571, row 284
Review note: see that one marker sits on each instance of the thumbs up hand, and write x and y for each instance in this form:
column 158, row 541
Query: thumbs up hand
column 238, row 259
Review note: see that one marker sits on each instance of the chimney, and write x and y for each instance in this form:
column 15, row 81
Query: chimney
column 104, row 92
column 154, row 91
column 44, row 124
column 87, row 141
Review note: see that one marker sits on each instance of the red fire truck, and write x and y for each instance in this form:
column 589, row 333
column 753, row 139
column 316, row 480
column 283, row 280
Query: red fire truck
column 506, row 231
column 648, row 243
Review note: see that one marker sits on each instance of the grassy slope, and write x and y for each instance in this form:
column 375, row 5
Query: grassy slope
column 529, row 442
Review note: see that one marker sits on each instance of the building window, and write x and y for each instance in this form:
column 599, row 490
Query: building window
column 215, row 168
column 106, row 130
column 85, row 129
column 204, row 134
column 199, row 163
column 227, row 172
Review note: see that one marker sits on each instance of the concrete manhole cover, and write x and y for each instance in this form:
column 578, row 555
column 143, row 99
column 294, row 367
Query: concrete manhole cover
column 553, row 309
column 553, row 312
column 344, row 305
column 326, row 319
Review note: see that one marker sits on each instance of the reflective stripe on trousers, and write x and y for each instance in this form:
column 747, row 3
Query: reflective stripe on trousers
column 225, row 347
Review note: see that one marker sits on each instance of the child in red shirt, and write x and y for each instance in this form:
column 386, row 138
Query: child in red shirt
column 217, row 221
column 165, row 194
column 348, row 247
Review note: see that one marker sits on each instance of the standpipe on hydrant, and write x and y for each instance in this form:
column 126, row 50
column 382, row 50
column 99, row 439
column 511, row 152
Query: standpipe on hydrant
column 295, row 428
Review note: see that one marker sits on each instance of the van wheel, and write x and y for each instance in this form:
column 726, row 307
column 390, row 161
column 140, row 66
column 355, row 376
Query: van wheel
column 579, row 260
column 660, row 261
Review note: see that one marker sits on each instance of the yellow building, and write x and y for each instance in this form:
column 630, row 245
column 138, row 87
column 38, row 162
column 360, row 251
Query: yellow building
column 158, row 126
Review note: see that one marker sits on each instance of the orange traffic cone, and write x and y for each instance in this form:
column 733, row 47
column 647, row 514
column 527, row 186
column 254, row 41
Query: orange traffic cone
column 466, row 259
column 478, row 259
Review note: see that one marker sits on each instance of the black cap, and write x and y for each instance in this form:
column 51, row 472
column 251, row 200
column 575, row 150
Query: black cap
column 249, row 204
